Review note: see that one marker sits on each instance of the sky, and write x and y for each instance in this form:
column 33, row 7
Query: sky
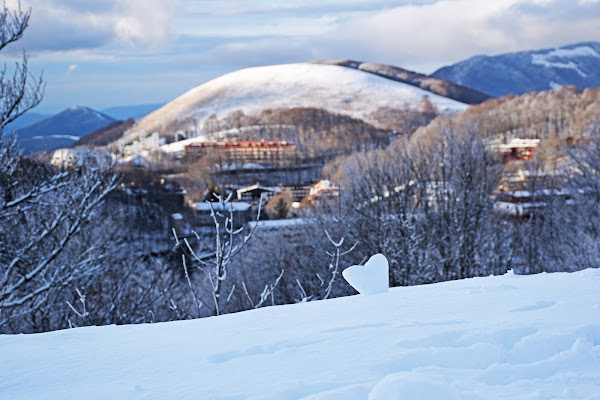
column 104, row 53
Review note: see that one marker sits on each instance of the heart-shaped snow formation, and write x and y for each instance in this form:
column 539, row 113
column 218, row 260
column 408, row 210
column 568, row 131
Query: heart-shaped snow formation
column 371, row 278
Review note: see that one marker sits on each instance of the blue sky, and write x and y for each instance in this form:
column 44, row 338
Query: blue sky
column 113, row 52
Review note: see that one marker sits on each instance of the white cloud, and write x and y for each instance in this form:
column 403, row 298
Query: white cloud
column 425, row 33
column 151, row 22
column 72, row 68
column 422, row 35
column 189, row 36
column 415, row 33
column 72, row 24
column 450, row 30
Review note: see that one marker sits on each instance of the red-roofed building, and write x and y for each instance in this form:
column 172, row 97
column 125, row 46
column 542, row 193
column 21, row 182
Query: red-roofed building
column 258, row 151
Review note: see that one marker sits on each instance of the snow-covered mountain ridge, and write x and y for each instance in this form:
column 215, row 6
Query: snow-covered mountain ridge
column 333, row 88
column 435, row 85
column 503, row 337
column 62, row 129
column 528, row 71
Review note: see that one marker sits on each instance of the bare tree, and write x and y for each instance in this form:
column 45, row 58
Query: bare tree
column 426, row 205
column 19, row 91
column 213, row 255
column 581, row 219
column 44, row 211
column 325, row 229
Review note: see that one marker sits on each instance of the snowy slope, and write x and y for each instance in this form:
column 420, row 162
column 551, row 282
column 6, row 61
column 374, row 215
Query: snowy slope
column 330, row 87
column 506, row 337
column 528, row 71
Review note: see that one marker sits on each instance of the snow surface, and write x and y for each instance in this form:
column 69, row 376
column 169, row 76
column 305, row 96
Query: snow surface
column 554, row 86
column 333, row 88
column 561, row 58
column 179, row 147
column 505, row 337
column 70, row 137
column 580, row 51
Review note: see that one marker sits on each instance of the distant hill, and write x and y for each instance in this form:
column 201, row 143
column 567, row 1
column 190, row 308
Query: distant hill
column 429, row 83
column 568, row 113
column 62, row 129
column 105, row 135
column 134, row 112
column 332, row 88
column 528, row 71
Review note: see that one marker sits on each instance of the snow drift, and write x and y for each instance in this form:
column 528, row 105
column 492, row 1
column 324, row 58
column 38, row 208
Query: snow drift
column 505, row 337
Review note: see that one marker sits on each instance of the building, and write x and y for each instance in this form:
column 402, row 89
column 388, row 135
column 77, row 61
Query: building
column 321, row 190
column 77, row 157
column 518, row 149
column 254, row 193
column 263, row 152
column 143, row 143
column 238, row 211
column 523, row 203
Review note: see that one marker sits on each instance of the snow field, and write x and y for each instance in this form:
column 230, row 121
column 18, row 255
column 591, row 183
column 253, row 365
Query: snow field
column 505, row 337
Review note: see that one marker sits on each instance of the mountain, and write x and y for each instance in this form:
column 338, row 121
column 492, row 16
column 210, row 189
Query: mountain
column 62, row 129
column 335, row 89
column 528, row 71
column 497, row 337
column 27, row 119
column 432, row 84
column 106, row 134
column 131, row 112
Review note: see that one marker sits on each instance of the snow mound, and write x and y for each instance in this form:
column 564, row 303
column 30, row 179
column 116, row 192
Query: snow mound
column 403, row 387
column 494, row 338
column 330, row 87
column 371, row 278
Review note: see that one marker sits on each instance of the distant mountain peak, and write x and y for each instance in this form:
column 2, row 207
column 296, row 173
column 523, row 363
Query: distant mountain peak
column 527, row 71
column 62, row 129
column 432, row 84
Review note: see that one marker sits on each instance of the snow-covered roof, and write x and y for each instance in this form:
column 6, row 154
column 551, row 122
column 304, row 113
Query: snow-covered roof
column 216, row 206
column 541, row 192
column 517, row 143
column 257, row 186
column 278, row 223
column 177, row 147
column 322, row 187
